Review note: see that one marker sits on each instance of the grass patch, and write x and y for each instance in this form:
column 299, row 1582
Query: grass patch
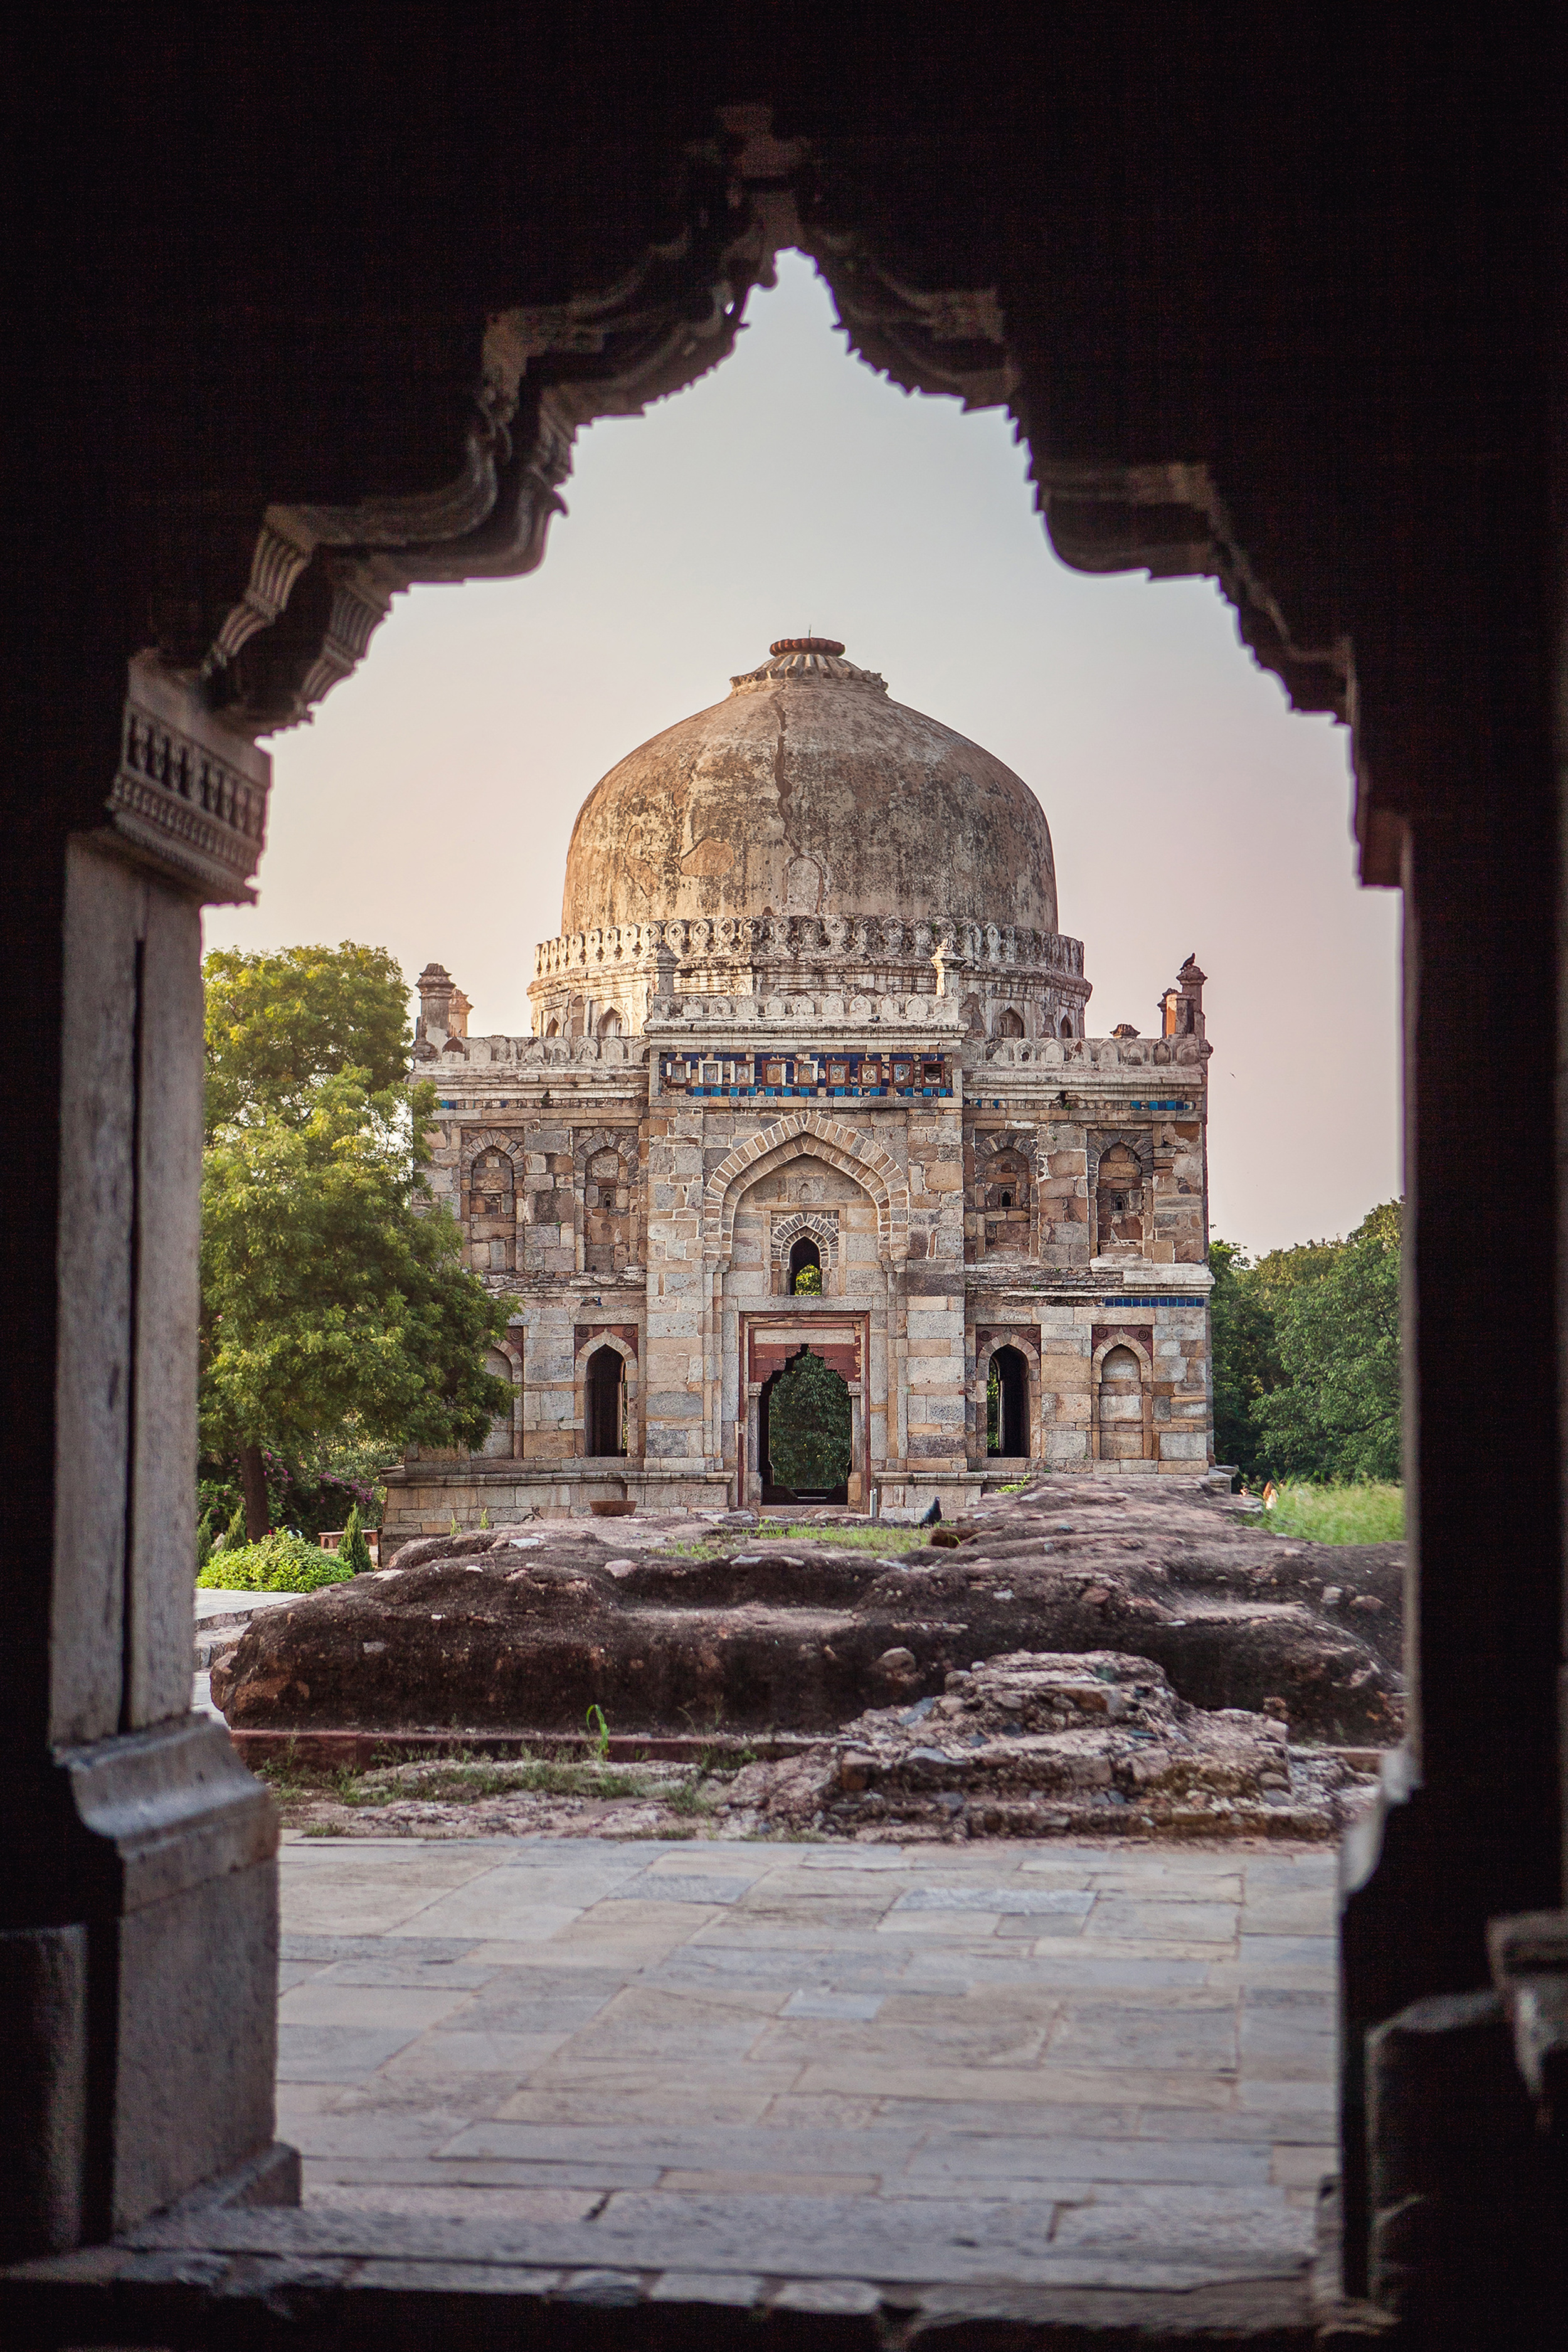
column 870, row 1537
column 470, row 1784
column 688, row 1800
column 1360, row 1513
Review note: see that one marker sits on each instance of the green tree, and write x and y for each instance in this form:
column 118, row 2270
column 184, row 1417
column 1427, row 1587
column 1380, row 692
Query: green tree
column 809, row 1427
column 333, row 1294
column 279, row 1023
column 1336, row 1412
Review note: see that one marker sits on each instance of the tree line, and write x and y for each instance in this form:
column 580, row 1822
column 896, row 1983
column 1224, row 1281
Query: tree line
column 1306, row 1355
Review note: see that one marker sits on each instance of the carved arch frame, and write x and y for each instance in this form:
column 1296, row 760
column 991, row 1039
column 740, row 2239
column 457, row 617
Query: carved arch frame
column 623, row 1143
column 811, row 1135
column 988, row 1142
column 820, row 1226
column 1129, row 1341
column 284, row 620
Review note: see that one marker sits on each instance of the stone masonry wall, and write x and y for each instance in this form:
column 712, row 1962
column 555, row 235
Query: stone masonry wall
column 1049, row 1195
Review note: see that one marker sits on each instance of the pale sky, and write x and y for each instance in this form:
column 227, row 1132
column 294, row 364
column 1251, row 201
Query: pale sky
column 428, row 807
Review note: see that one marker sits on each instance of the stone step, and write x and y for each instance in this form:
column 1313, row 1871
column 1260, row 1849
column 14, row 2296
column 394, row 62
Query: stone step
column 222, row 1616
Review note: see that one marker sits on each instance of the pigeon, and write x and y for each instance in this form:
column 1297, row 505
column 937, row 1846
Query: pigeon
column 933, row 1517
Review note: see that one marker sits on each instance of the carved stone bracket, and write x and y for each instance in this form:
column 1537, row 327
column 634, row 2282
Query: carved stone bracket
column 188, row 796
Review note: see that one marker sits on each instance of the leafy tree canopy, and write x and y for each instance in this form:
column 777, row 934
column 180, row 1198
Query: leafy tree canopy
column 1246, row 1356
column 1336, row 1413
column 279, row 1023
column 809, row 1426
column 331, row 1287
column 1306, row 1356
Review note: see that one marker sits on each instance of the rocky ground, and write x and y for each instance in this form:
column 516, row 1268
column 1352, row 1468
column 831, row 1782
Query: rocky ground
column 698, row 1626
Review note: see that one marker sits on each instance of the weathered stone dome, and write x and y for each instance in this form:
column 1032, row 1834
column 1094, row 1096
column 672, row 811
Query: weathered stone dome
column 808, row 791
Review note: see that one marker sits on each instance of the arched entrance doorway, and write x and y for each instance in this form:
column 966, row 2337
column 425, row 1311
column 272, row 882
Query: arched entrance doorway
column 605, row 1403
column 1008, row 1404
column 805, row 1432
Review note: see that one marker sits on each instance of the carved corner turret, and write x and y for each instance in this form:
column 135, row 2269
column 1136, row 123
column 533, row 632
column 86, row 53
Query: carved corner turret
column 444, row 1010
column 1181, row 1007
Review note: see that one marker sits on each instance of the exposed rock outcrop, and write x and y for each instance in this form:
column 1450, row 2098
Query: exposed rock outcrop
column 527, row 1628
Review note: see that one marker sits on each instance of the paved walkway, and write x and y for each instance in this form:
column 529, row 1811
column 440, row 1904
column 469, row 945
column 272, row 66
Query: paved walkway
column 991, row 2061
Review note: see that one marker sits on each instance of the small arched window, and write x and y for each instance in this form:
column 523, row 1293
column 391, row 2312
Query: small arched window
column 552, row 1027
column 1010, row 1024
column 1066, row 1024
column 1003, row 1199
column 805, row 1269
column 610, row 1023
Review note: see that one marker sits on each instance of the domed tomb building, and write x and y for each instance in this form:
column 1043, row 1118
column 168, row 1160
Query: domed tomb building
column 809, row 1071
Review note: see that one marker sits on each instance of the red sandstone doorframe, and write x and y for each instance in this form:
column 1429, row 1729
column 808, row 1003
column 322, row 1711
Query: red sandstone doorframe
column 767, row 1343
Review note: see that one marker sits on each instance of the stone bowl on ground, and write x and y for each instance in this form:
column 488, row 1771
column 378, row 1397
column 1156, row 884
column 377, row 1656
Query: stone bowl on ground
column 527, row 1628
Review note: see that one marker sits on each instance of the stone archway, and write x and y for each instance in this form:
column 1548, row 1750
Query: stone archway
column 415, row 428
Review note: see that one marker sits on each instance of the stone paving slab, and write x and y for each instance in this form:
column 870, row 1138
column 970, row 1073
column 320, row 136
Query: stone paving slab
column 835, row 2064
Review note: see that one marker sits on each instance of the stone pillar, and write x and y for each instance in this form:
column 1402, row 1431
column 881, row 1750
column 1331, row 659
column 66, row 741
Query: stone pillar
column 1455, row 761
column 138, row 1904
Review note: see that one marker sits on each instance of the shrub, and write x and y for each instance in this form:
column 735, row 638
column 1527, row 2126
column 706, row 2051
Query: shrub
column 278, row 1563
column 354, row 1552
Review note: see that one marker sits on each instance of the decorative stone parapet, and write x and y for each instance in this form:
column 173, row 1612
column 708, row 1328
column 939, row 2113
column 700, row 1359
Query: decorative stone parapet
column 675, row 1016
column 1080, row 1054
column 868, row 938
column 454, row 1058
column 628, row 968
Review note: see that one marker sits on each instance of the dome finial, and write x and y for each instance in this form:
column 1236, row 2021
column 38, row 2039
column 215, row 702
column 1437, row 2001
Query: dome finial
column 806, row 645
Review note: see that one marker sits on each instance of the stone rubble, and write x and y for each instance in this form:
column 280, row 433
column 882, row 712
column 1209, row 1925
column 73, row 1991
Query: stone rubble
column 1033, row 1744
